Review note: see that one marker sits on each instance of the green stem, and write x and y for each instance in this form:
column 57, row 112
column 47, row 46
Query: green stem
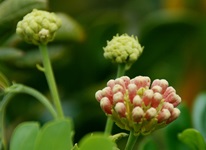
column 120, row 70
column 109, row 123
column 131, row 141
column 3, row 103
column 108, row 127
column 51, row 80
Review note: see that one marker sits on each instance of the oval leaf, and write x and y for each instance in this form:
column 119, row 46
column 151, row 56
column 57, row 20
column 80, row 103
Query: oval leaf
column 24, row 136
column 97, row 141
column 70, row 29
column 55, row 135
column 199, row 114
column 193, row 139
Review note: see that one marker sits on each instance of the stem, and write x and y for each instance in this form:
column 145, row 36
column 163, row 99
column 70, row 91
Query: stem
column 3, row 103
column 51, row 80
column 109, row 124
column 131, row 141
column 120, row 70
column 108, row 127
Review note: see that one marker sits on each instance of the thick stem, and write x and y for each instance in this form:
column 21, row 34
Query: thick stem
column 51, row 80
column 108, row 127
column 131, row 141
column 109, row 124
column 120, row 70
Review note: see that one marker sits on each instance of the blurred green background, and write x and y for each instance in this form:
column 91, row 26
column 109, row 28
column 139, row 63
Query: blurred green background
column 173, row 33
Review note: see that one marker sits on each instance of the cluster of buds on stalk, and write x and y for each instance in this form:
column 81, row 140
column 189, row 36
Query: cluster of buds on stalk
column 138, row 105
column 123, row 49
column 38, row 27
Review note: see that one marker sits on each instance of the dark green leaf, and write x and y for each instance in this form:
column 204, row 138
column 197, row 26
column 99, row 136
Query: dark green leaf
column 199, row 114
column 24, row 136
column 70, row 29
column 55, row 135
column 9, row 53
column 4, row 82
column 193, row 139
column 96, row 141
column 33, row 57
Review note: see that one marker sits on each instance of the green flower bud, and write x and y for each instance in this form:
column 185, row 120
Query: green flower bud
column 38, row 27
column 123, row 49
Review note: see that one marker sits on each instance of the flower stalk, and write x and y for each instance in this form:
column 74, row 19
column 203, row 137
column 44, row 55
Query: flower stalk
column 51, row 80
column 131, row 141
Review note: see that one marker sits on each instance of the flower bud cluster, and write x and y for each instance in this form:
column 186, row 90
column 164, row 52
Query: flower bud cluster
column 38, row 27
column 123, row 49
column 139, row 105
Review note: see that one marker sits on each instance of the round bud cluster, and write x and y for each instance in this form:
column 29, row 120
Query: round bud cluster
column 139, row 105
column 38, row 27
column 123, row 49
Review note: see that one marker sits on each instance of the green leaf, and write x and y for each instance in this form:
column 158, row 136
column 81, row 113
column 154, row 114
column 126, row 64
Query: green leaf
column 199, row 114
column 118, row 136
column 55, row 135
column 193, row 139
column 4, row 82
column 97, row 141
column 33, row 57
column 70, row 29
column 9, row 53
column 24, row 136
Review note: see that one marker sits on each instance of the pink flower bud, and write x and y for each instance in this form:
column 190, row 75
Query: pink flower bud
column 163, row 115
column 120, row 109
column 137, row 113
column 168, row 91
column 141, row 82
column 106, row 92
column 168, row 106
column 157, row 88
column 118, row 97
column 147, row 97
column 162, row 83
column 173, row 98
column 157, row 97
column 98, row 95
column 117, row 88
column 150, row 113
column 106, row 105
column 174, row 115
column 111, row 83
column 137, row 101
column 132, row 89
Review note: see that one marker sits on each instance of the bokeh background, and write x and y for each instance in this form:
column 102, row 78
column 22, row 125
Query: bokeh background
column 173, row 33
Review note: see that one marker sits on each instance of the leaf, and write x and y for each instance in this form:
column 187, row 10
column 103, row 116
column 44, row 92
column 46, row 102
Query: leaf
column 96, row 141
column 33, row 57
column 118, row 136
column 199, row 114
column 193, row 139
column 4, row 82
column 55, row 135
column 9, row 53
column 24, row 136
column 70, row 29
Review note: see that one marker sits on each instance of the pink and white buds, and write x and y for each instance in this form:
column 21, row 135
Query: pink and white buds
column 139, row 105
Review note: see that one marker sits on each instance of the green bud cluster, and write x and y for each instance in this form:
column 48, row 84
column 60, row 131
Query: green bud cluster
column 38, row 27
column 123, row 49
